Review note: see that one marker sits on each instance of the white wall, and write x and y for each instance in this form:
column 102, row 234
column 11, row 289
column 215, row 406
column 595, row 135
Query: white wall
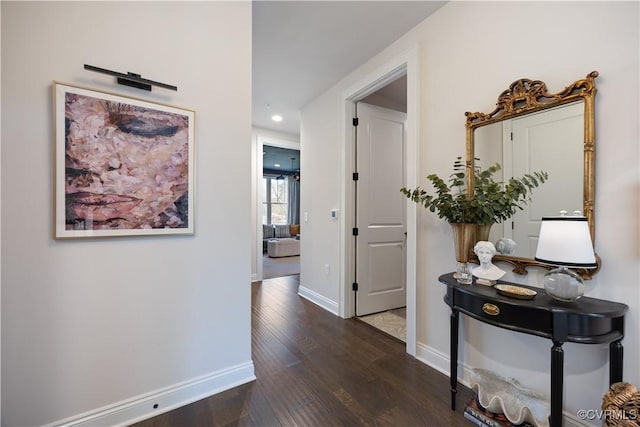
column 120, row 324
column 321, row 157
column 470, row 53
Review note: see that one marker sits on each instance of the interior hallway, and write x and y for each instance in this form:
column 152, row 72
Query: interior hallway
column 316, row 369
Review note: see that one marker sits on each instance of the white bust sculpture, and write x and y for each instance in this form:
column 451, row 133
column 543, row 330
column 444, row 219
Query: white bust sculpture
column 485, row 251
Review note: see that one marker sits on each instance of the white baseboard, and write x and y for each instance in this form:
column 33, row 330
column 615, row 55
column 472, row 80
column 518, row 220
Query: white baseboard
column 163, row 400
column 433, row 358
column 441, row 362
column 316, row 298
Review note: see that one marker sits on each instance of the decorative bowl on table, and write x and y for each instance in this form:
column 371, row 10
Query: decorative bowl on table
column 515, row 291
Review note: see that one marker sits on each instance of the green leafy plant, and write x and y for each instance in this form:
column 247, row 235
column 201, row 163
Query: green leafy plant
column 492, row 202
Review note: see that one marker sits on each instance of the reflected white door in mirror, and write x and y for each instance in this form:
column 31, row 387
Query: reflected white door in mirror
column 551, row 141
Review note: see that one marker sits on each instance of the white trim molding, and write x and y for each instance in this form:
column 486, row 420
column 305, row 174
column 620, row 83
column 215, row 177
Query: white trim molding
column 320, row 300
column 434, row 358
column 157, row 402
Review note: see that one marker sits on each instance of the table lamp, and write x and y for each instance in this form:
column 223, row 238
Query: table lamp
column 565, row 241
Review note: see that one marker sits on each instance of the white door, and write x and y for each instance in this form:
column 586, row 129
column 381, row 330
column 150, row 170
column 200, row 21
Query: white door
column 552, row 141
column 380, row 210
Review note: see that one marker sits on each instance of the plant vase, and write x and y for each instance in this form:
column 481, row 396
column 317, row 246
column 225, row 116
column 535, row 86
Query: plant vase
column 483, row 231
column 464, row 237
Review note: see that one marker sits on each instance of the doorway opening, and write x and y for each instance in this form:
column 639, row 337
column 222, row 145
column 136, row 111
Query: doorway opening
column 379, row 261
column 278, row 209
column 404, row 68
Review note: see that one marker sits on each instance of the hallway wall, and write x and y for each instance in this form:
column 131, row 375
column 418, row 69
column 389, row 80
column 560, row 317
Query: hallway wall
column 470, row 52
column 107, row 328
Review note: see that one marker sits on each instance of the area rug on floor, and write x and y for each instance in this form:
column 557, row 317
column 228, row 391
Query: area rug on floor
column 393, row 322
column 278, row 267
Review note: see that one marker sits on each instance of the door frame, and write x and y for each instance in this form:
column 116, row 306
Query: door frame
column 261, row 141
column 406, row 63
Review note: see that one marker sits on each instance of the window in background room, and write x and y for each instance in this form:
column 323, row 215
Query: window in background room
column 275, row 199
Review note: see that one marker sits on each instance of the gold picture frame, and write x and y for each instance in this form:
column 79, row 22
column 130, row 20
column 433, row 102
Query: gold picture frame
column 526, row 96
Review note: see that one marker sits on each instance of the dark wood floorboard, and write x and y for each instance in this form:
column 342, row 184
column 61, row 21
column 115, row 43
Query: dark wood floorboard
column 316, row 369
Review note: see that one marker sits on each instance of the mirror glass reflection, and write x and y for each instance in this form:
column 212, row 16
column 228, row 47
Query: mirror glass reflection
column 551, row 140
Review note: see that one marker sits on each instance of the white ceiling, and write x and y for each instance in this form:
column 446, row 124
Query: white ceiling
column 302, row 48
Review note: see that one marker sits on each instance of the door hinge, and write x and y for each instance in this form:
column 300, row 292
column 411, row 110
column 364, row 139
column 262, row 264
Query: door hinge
column 355, row 231
column 354, row 286
column 512, row 136
column 355, row 176
column 355, row 121
column 513, row 225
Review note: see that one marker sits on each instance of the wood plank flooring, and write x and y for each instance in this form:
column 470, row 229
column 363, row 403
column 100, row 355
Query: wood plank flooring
column 315, row 369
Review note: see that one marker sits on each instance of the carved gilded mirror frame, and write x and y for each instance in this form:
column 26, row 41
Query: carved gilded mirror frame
column 526, row 96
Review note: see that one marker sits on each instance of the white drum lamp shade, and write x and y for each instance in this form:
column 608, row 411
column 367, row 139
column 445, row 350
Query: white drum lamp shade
column 565, row 241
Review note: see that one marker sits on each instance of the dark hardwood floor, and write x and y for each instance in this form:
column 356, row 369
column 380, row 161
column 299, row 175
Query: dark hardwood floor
column 316, row 369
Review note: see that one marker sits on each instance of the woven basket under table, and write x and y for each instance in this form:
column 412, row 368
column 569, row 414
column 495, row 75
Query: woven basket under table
column 621, row 405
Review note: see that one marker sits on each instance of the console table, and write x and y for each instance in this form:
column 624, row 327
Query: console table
column 585, row 321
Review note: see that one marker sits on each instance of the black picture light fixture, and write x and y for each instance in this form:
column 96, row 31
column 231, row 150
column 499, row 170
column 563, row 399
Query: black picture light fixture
column 131, row 79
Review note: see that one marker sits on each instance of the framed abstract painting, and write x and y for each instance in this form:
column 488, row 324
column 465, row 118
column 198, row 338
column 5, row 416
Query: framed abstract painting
column 123, row 166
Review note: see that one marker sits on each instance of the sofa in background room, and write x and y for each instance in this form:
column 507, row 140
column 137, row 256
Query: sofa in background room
column 281, row 240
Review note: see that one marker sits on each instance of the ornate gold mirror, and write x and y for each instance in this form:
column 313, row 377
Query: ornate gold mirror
column 533, row 130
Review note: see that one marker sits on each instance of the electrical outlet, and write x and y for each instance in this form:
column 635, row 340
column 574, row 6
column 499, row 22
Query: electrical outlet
column 327, row 269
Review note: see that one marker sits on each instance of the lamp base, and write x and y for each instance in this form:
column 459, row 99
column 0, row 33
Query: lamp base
column 563, row 284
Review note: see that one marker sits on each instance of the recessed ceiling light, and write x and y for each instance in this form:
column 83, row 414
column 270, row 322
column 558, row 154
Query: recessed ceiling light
column 277, row 165
column 276, row 118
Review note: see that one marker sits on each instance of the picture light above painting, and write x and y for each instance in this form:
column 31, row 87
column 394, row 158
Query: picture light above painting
column 130, row 79
column 123, row 166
